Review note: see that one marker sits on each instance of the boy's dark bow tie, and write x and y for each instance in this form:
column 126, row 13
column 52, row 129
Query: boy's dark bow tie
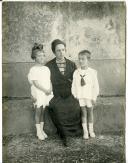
column 82, row 80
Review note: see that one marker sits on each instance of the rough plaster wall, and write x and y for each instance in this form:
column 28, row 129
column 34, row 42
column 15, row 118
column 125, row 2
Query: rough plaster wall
column 99, row 27
column 111, row 81
column 18, row 116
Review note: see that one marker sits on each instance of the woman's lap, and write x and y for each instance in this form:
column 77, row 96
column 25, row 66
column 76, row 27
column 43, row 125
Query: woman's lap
column 68, row 113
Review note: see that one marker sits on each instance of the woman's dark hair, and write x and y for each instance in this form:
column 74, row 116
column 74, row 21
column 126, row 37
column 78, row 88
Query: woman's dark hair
column 37, row 47
column 55, row 43
column 86, row 53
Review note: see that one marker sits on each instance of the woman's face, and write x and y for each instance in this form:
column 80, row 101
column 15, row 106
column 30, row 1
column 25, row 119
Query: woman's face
column 60, row 51
column 40, row 57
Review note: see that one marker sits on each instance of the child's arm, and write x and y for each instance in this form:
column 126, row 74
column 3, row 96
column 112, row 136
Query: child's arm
column 95, row 88
column 39, row 86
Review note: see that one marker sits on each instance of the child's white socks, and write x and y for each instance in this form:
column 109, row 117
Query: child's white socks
column 42, row 131
column 85, row 130
column 91, row 130
column 39, row 134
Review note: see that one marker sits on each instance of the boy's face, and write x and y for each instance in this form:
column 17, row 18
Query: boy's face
column 40, row 57
column 83, row 61
column 60, row 51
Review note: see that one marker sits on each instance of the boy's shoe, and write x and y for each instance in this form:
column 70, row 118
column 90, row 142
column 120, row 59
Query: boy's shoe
column 85, row 136
column 91, row 131
column 85, row 131
column 92, row 134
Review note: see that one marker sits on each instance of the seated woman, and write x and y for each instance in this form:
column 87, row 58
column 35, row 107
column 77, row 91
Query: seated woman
column 64, row 108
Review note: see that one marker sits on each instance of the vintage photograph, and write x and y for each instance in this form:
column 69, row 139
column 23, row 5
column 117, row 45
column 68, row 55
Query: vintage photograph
column 63, row 75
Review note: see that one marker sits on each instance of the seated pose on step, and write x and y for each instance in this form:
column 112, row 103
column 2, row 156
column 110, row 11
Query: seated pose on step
column 64, row 109
column 85, row 88
column 41, row 88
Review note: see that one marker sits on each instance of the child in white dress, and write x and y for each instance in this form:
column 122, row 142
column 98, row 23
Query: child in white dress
column 41, row 88
column 85, row 88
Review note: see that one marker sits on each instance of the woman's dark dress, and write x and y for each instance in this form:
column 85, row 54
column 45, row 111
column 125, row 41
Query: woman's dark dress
column 65, row 107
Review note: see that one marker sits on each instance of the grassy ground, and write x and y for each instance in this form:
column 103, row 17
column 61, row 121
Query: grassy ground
column 26, row 148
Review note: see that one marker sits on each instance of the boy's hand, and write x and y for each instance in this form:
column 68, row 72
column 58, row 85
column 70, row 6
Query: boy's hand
column 93, row 102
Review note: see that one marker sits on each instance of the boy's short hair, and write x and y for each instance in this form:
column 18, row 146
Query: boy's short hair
column 37, row 47
column 86, row 53
column 55, row 43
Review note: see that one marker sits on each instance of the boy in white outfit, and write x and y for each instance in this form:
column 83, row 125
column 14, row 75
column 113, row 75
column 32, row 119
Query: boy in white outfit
column 41, row 87
column 85, row 88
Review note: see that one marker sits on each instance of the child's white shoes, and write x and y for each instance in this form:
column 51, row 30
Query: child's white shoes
column 91, row 131
column 42, row 131
column 85, row 130
column 85, row 136
column 39, row 134
column 92, row 134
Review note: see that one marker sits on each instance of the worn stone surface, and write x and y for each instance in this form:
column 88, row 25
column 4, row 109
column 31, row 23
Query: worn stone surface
column 111, row 75
column 18, row 116
column 98, row 27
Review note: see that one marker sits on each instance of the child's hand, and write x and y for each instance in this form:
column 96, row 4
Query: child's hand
column 93, row 102
column 48, row 92
column 76, row 98
column 33, row 99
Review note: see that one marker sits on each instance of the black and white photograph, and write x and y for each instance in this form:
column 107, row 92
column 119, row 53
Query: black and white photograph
column 63, row 81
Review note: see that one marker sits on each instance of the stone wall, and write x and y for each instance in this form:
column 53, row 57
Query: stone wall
column 98, row 27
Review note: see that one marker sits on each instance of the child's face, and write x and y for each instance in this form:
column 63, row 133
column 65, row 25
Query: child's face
column 83, row 61
column 40, row 57
column 60, row 51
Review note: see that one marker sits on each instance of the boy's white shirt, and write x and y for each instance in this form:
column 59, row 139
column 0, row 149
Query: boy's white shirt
column 88, row 91
column 42, row 75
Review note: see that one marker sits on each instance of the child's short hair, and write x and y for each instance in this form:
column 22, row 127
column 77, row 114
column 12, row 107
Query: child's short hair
column 37, row 47
column 87, row 53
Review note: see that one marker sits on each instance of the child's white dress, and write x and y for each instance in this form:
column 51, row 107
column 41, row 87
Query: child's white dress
column 42, row 75
column 85, row 94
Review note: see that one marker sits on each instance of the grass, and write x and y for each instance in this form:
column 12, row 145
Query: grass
column 26, row 148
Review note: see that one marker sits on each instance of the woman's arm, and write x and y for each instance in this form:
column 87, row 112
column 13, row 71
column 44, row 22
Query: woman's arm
column 39, row 86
